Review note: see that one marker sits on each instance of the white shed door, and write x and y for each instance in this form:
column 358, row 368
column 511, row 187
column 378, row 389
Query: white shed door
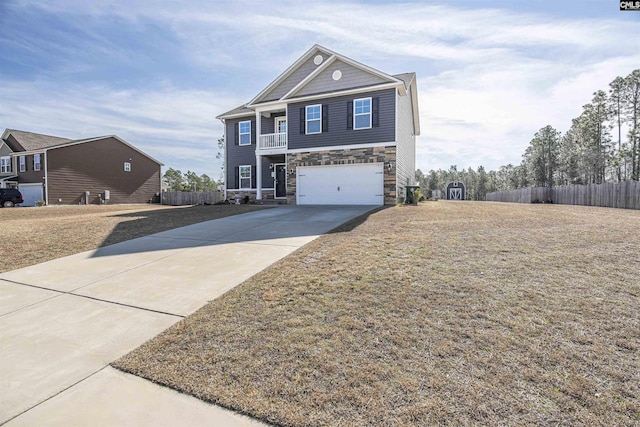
column 31, row 193
column 358, row 184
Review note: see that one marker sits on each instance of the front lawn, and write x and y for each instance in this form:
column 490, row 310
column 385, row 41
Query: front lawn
column 446, row 313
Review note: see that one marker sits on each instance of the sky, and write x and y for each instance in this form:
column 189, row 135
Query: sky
column 157, row 73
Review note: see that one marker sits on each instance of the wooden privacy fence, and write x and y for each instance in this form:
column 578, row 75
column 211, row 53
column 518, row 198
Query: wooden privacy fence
column 623, row 195
column 179, row 198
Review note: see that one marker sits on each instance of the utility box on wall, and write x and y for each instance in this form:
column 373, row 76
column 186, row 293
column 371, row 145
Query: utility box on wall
column 107, row 195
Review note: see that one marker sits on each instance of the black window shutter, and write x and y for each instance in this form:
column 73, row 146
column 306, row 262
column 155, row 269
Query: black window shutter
column 350, row 115
column 325, row 118
column 237, row 180
column 254, row 181
column 302, row 121
column 375, row 115
column 253, row 132
column 237, row 138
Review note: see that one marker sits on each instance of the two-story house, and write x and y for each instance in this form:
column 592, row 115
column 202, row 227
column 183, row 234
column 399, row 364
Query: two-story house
column 329, row 130
column 56, row 170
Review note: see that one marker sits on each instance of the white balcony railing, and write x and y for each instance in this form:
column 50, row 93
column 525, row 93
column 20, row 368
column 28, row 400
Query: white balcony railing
column 272, row 141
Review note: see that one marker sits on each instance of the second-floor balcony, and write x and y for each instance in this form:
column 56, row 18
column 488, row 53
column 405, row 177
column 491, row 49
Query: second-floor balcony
column 273, row 141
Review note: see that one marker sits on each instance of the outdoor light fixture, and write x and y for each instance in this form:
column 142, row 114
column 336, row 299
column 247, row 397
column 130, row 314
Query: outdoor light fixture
column 389, row 166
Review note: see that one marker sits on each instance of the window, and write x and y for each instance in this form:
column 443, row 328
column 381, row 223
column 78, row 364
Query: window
column 36, row 162
column 362, row 113
column 5, row 164
column 244, row 132
column 127, row 167
column 245, row 176
column 23, row 164
column 314, row 119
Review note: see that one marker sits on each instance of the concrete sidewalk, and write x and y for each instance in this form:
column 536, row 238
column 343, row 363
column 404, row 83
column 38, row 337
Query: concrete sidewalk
column 62, row 322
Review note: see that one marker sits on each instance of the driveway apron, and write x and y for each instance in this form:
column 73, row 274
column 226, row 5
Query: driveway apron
column 62, row 322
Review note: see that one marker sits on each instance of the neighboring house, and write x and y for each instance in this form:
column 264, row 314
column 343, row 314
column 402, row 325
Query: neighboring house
column 329, row 130
column 97, row 170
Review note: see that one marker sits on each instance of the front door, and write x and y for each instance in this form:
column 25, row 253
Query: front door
column 281, row 180
column 455, row 194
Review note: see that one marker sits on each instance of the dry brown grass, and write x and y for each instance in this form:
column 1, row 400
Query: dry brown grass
column 443, row 314
column 33, row 235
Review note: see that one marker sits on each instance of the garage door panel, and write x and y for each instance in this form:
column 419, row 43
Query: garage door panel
column 31, row 193
column 360, row 184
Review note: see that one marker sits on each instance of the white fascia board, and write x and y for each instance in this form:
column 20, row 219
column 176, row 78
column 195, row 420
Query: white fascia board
column 342, row 147
column 310, row 77
column 338, row 93
column 414, row 107
column 287, row 73
column 276, row 105
column 237, row 115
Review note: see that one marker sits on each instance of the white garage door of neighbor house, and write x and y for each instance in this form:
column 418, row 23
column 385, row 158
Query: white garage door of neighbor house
column 30, row 194
column 358, row 184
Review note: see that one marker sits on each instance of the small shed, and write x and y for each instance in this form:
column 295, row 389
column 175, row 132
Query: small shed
column 455, row 191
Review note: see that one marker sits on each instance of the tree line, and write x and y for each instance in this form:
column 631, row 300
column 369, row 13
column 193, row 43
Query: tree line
column 175, row 180
column 601, row 145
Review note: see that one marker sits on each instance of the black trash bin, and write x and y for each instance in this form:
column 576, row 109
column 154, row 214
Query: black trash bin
column 413, row 194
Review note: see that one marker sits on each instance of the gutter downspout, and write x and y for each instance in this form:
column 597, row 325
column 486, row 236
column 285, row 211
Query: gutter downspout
column 46, row 179
column 226, row 160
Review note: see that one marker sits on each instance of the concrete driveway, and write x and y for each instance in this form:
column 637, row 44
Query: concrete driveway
column 62, row 322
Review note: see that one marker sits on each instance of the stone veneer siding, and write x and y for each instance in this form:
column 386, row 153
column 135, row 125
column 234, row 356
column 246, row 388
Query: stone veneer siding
column 266, row 195
column 384, row 155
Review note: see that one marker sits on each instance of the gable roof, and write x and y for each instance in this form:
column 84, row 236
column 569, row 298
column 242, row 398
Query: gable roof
column 30, row 141
column 311, row 76
column 237, row 112
column 304, row 71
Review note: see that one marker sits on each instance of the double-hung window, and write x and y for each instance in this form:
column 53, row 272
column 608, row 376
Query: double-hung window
column 5, row 164
column 313, row 118
column 244, row 133
column 362, row 113
column 244, row 173
column 23, row 164
column 36, row 162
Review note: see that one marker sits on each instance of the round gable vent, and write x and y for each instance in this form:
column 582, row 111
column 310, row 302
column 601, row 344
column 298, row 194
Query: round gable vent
column 337, row 75
column 318, row 59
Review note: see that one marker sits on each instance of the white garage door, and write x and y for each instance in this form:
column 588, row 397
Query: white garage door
column 359, row 184
column 30, row 193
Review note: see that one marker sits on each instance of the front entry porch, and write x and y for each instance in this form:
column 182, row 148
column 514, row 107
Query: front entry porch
column 271, row 177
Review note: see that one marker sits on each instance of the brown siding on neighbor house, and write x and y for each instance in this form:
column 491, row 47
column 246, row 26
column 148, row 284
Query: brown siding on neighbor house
column 97, row 166
column 31, row 176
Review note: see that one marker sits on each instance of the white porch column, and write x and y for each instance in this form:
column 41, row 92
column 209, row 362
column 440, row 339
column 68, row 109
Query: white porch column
column 258, row 158
column 258, row 177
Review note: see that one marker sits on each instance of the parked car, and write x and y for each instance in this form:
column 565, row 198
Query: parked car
column 10, row 197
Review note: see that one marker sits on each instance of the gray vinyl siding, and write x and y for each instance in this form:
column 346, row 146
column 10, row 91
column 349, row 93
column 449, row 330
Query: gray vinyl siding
column 268, row 124
column 406, row 146
column 338, row 134
column 290, row 82
column 352, row 77
column 267, row 179
column 5, row 150
column 238, row 155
